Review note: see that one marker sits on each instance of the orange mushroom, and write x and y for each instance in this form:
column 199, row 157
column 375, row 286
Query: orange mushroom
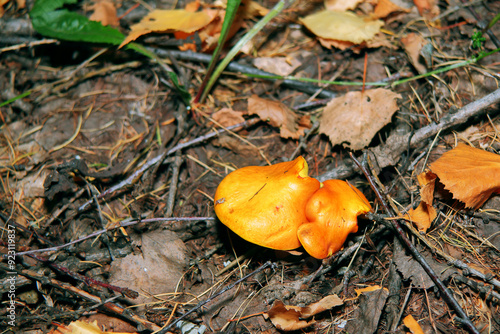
column 332, row 213
column 266, row 205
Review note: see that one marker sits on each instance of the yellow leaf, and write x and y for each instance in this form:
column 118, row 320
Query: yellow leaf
column 472, row 175
column 412, row 325
column 342, row 26
column 168, row 21
column 368, row 289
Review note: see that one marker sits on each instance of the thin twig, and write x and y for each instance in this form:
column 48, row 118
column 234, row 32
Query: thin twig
column 124, row 223
column 447, row 296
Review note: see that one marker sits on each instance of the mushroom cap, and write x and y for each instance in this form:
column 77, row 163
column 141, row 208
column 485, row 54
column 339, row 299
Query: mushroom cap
column 332, row 213
column 266, row 204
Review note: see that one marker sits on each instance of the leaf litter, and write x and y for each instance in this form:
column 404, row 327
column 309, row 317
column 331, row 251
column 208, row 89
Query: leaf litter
column 120, row 121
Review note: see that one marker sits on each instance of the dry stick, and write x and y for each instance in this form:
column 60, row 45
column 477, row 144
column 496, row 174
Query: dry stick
column 201, row 304
column 397, row 144
column 82, row 294
column 447, row 296
column 132, row 178
column 124, row 223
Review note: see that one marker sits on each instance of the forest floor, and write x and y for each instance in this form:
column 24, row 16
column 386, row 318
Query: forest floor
column 108, row 177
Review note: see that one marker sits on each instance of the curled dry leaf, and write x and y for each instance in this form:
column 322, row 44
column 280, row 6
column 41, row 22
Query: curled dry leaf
column 227, row 117
column 422, row 216
column 429, row 9
column 342, row 26
column 385, row 8
column 279, row 115
column 104, row 12
column 412, row 325
column 290, row 318
column 472, row 175
column 425, row 213
column 413, row 44
column 356, row 117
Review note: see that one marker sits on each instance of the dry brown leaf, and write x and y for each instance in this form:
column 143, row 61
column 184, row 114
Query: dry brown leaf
column 277, row 65
column 105, row 12
column 227, row 117
column 472, row 175
column 413, row 44
column 427, row 8
column 385, row 8
column 168, row 21
column 427, row 181
column 82, row 327
column 278, row 115
column 290, row 318
column 341, row 5
column 412, row 325
column 422, row 216
column 356, row 117
column 342, row 26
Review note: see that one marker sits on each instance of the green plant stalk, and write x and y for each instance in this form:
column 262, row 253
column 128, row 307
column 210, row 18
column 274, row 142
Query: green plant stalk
column 446, row 68
column 20, row 96
column 237, row 47
column 231, row 11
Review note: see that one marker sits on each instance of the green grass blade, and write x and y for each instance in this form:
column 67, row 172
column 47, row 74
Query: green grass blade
column 237, row 47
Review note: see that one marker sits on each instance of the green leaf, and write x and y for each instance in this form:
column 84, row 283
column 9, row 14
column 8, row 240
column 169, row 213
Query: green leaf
column 66, row 25
column 231, row 11
column 49, row 20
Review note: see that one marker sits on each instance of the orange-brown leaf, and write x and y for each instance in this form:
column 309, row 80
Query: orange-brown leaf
column 386, row 7
column 105, row 12
column 278, row 115
column 427, row 181
column 472, row 175
column 422, row 216
column 412, row 325
column 290, row 318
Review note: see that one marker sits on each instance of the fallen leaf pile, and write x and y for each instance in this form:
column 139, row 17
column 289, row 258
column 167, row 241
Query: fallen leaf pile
column 291, row 318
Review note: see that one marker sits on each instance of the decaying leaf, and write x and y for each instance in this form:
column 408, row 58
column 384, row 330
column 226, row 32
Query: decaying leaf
column 422, row 216
column 472, row 175
column 341, row 5
column 278, row 65
column 427, row 182
column 356, row 117
column 279, row 115
column 228, row 117
column 104, row 12
column 429, row 9
column 412, row 325
column 80, row 327
column 413, row 44
column 385, row 8
column 168, row 21
column 342, row 26
column 290, row 318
